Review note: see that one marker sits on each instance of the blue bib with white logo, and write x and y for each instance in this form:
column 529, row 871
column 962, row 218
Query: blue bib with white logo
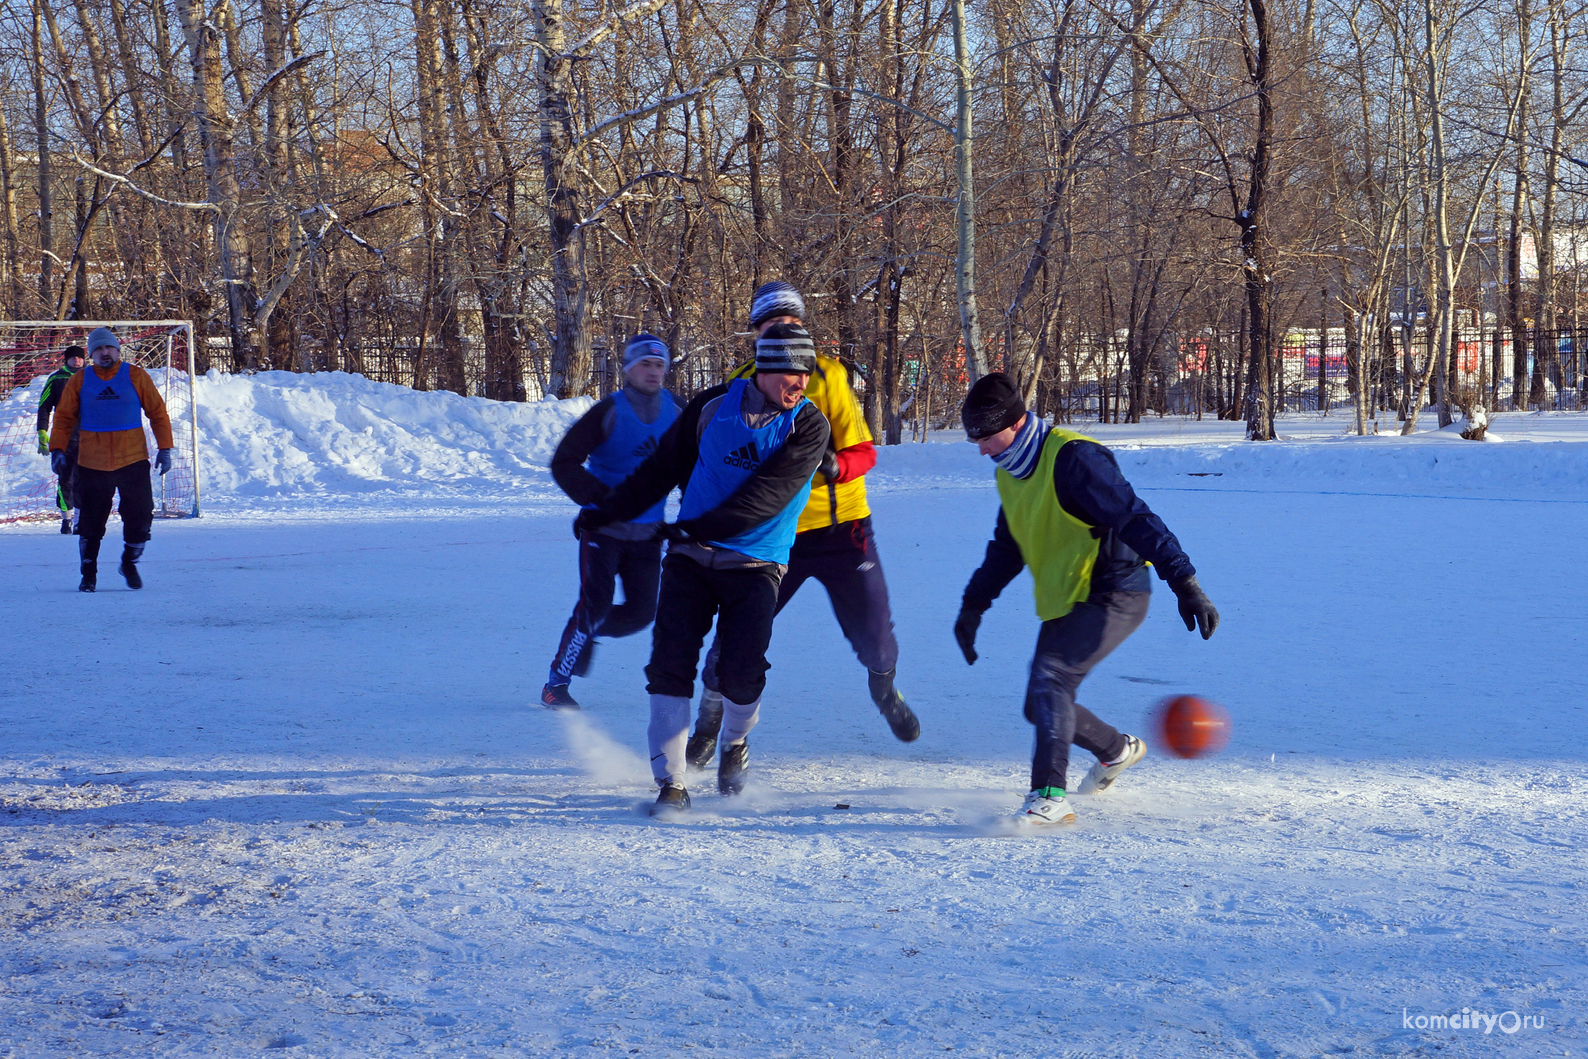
column 111, row 404
column 630, row 443
column 731, row 452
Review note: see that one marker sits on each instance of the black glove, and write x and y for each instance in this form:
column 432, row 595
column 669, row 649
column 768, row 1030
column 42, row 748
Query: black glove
column 965, row 627
column 828, row 468
column 162, row 461
column 1196, row 609
column 672, row 531
column 58, row 463
column 589, row 520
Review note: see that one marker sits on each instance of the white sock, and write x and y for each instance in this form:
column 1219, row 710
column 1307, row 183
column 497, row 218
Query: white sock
column 737, row 720
column 669, row 737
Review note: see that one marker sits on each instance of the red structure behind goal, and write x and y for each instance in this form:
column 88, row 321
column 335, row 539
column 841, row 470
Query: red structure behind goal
column 30, row 350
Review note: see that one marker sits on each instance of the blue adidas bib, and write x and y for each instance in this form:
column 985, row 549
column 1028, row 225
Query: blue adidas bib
column 630, row 444
column 110, row 405
column 731, row 452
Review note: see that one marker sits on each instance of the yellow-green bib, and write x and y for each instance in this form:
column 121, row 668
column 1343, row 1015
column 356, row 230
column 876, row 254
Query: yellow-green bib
column 1058, row 548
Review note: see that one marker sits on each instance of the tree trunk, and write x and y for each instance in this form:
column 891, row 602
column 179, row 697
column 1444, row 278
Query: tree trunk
column 965, row 259
column 41, row 128
column 220, row 172
column 570, row 360
column 1253, row 221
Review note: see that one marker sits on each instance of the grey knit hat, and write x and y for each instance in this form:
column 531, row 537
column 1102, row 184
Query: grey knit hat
column 103, row 336
column 785, row 348
column 775, row 299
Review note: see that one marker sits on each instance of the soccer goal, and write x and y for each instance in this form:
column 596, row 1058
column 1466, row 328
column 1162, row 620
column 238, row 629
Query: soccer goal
column 31, row 349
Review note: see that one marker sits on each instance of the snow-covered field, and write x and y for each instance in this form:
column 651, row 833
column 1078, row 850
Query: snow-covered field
column 295, row 795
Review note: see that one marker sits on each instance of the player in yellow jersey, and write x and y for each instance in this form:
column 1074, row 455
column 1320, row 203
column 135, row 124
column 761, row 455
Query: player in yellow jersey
column 834, row 543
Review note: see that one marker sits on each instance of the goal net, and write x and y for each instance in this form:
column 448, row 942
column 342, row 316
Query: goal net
column 30, row 350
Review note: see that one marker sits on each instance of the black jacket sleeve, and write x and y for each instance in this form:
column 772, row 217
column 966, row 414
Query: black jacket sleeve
column 48, row 400
column 1001, row 565
column 567, row 463
column 1090, row 486
column 669, row 466
column 773, row 486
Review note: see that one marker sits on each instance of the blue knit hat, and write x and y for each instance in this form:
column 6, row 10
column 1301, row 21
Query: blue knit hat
column 645, row 346
column 775, row 299
column 103, row 336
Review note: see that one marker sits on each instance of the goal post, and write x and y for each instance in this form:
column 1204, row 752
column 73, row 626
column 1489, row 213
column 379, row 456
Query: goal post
column 31, row 349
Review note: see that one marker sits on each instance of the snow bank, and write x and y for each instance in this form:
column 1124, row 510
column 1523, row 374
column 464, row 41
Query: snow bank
column 282, row 434
column 281, row 440
column 1435, row 463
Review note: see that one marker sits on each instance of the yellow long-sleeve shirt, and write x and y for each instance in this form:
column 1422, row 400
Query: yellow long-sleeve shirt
column 110, row 450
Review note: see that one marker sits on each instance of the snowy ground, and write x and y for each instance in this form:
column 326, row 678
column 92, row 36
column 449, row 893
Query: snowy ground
column 294, row 794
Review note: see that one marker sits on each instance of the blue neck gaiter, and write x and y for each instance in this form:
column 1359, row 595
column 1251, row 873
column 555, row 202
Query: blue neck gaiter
column 1020, row 458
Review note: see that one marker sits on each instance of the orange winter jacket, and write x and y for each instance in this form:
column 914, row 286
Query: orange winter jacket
column 110, row 450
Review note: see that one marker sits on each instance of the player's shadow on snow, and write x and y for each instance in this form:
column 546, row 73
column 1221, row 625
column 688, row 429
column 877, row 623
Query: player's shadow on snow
column 147, row 799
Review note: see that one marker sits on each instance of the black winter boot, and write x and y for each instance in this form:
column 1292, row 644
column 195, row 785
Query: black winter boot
column 732, row 767
column 703, row 744
column 130, row 554
column 894, row 709
column 88, row 554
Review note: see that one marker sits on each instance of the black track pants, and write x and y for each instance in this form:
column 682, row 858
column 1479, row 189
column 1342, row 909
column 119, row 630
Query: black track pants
column 96, row 491
column 844, row 559
column 1067, row 649
column 603, row 560
column 742, row 601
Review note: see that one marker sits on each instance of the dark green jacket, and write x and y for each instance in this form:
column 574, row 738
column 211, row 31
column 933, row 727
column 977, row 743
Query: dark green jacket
column 53, row 386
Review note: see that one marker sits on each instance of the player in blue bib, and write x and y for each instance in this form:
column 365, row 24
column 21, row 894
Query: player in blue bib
column 744, row 453
column 599, row 451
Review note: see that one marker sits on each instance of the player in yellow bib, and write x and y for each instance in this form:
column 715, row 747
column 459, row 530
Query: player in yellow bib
column 1068, row 514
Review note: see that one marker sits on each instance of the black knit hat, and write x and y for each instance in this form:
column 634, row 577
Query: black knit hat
column 993, row 404
column 74, row 351
column 785, row 348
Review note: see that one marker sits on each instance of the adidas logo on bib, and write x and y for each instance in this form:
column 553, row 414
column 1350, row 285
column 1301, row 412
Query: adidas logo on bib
column 644, row 449
column 745, row 457
column 107, row 394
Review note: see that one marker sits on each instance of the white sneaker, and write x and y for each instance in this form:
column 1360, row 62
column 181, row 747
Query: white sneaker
column 1102, row 775
column 1041, row 811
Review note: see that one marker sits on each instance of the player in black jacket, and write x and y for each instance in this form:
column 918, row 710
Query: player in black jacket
column 744, row 454
column 66, row 489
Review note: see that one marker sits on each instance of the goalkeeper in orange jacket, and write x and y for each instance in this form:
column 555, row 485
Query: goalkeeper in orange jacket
column 834, row 543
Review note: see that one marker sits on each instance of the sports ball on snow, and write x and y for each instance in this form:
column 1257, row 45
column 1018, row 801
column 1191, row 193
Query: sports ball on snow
column 1191, row 727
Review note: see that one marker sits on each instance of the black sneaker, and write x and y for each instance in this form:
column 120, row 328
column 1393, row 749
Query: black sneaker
column 894, row 709
column 66, row 525
column 703, row 744
column 731, row 769
column 672, row 802
column 90, row 579
column 556, row 697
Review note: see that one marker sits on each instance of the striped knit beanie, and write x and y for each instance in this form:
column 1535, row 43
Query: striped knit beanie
column 775, row 299
column 785, row 348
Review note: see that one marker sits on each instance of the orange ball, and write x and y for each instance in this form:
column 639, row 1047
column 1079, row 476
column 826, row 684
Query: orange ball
column 1191, row 727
